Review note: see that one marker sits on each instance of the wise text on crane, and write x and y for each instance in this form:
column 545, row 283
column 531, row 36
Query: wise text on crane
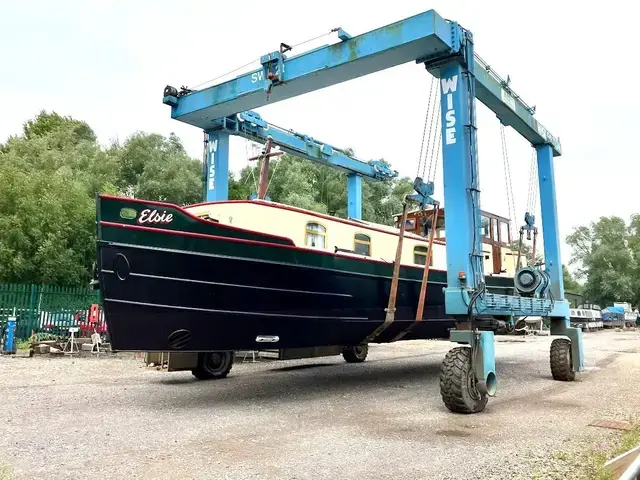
column 449, row 86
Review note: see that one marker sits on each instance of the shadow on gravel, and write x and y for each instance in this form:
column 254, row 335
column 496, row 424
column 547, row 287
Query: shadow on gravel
column 301, row 367
column 294, row 385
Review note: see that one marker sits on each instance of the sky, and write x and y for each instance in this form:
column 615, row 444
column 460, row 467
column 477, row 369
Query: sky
column 107, row 63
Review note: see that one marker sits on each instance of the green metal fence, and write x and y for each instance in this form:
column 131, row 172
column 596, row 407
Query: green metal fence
column 45, row 308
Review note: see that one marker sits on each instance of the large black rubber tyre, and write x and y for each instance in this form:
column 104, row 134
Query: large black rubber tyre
column 355, row 354
column 457, row 383
column 560, row 360
column 213, row 365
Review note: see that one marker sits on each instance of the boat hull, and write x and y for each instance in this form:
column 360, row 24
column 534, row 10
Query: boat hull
column 197, row 286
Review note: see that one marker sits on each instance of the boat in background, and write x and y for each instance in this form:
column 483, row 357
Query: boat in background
column 587, row 317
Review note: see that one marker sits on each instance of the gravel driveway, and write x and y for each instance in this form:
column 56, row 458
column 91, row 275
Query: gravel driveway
column 310, row 419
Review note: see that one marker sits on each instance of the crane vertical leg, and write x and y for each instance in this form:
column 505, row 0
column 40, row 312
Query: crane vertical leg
column 566, row 359
column 468, row 372
column 217, row 181
column 354, row 196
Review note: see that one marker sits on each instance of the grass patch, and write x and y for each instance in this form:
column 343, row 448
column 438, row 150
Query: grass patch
column 6, row 472
column 628, row 440
column 23, row 345
column 588, row 462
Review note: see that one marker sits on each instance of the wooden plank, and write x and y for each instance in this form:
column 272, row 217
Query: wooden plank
column 613, row 424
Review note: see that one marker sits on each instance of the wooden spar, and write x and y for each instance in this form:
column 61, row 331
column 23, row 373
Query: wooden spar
column 264, row 171
column 264, row 167
column 519, row 249
column 391, row 306
column 425, row 276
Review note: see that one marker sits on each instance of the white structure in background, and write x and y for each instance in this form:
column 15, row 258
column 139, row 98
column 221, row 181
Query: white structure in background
column 588, row 317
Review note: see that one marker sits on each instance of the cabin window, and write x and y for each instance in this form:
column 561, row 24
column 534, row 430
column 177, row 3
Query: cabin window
column 486, row 231
column 362, row 244
column 494, row 229
column 315, row 235
column 505, row 234
column 420, row 255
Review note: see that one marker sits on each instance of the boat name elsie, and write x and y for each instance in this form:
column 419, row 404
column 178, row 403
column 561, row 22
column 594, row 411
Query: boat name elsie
column 152, row 216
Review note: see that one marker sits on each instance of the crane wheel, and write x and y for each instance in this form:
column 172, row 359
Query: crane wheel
column 458, row 383
column 213, row 365
column 355, row 354
column 560, row 360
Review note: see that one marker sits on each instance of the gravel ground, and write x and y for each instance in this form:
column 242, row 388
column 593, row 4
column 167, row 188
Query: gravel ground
column 311, row 419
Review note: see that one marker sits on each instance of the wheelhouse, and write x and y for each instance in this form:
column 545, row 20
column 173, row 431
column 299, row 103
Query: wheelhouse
column 495, row 230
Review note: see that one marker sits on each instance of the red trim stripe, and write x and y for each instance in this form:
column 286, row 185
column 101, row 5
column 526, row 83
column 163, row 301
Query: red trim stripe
column 194, row 217
column 280, row 206
column 253, row 242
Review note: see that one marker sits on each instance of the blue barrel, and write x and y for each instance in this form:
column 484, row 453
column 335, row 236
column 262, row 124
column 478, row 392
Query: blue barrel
column 9, row 339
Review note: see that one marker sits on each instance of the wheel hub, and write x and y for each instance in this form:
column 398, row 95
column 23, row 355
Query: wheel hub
column 471, row 386
column 215, row 361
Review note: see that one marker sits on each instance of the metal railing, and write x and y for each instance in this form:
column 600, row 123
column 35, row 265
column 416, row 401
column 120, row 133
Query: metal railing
column 46, row 308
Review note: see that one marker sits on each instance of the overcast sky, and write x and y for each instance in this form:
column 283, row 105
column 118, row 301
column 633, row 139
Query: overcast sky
column 107, row 62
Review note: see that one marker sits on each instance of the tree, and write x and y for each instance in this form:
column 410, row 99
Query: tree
column 570, row 284
column 602, row 255
column 47, row 225
column 306, row 184
column 45, row 123
column 50, row 175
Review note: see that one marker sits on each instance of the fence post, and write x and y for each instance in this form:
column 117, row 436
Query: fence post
column 33, row 317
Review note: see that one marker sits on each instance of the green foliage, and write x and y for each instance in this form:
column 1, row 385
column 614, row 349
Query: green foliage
column 6, row 472
column 606, row 254
column 50, row 176
column 45, row 123
column 570, row 284
column 23, row 345
column 305, row 184
column 45, row 337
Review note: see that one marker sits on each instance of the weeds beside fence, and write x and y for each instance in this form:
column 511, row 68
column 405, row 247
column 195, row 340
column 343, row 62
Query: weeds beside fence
column 47, row 308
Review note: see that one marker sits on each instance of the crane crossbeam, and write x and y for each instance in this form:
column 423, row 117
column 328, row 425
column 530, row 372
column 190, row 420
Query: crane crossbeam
column 422, row 38
column 251, row 126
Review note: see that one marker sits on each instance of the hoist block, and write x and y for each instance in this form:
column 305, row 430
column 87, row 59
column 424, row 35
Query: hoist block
column 273, row 67
column 423, row 190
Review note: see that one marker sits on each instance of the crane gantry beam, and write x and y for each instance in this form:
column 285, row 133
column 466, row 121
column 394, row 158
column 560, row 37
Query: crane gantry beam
column 251, row 126
column 419, row 38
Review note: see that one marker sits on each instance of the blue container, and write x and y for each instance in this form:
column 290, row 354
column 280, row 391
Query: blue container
column 9, row 339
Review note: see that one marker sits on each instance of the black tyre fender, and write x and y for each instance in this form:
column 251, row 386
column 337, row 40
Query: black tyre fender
column 560, row 359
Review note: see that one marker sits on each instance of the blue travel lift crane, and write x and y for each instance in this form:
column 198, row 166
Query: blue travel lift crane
column 446, row 50
column 250, row 125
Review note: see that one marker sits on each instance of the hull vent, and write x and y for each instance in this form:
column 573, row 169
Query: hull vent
column 179, row 339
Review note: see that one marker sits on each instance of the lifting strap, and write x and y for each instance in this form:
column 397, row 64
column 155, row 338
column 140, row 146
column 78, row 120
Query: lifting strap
column 391, row 305
column 425, row 276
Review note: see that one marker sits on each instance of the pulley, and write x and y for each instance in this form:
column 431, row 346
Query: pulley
column 531, row 281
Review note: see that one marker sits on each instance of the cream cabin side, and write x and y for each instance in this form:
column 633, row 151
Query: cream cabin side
column 324, row 232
